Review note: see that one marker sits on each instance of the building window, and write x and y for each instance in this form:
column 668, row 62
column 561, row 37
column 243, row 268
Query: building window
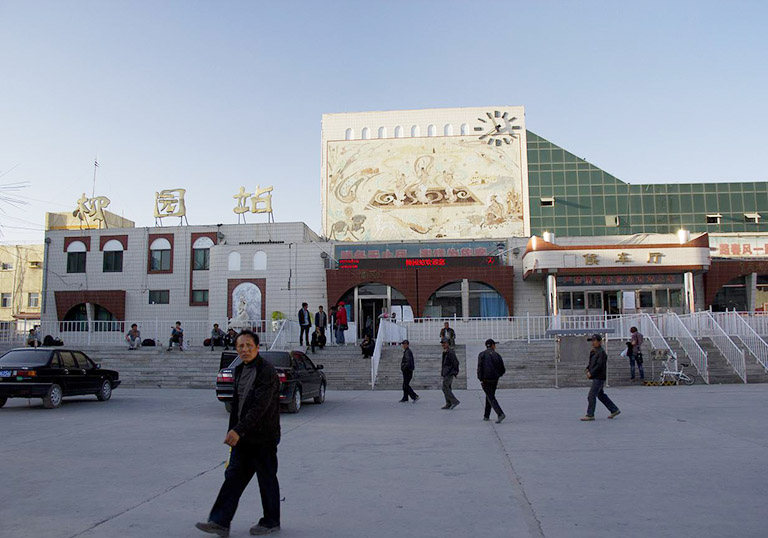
column 645, row 299
column 382, row 132
column 76, row 257
column 547, row 202
column 160, row 255
column 752, row 218
column 159, row 297
column 33, row 300
column 5, row 300
column 6, row 266
column 200, row 296
column 113, row 261
column 234, row 261
column 260, row 261
column 349, row 134
column 431, row 130
column 448, row 130
column 464, row 129
column 398, row 132
column 714, row 219
column 366, row 133
column 415, row 131
column 201, row 253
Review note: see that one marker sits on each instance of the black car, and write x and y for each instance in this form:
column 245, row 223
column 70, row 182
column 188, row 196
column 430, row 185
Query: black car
column 51, row 374
column 300, row 378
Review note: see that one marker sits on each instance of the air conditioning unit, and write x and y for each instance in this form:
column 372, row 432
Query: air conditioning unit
column 612, row 221
column 6, row 266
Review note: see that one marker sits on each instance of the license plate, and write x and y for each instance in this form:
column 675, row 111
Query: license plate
column 5, row 373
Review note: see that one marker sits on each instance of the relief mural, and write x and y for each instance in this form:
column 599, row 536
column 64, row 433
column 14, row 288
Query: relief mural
column 423, row 188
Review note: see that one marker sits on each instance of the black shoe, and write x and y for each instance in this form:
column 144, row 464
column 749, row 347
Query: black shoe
column 258, row 530
column 501, row 418
column 486, row 419
column 213, row 528
column 454, row 405
column 446, row 406
column 404, row 400
column 417, row 398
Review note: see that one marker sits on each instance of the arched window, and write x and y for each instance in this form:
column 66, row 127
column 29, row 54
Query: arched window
column 366, row 133
column 234, row 261
column 113, row 256
column 160, row 255
column 398, row 132
column 201, row 253
column 76, row 257
column 260, row 261
column 448, row 129
column 464, row 129
column 431, row 130
column 349, row 134
column 382, row 132
column 415, row 131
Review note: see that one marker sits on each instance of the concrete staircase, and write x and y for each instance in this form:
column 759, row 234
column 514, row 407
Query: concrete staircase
column 428, row 359
column 529, row 364
column 344, row 367
column 720, row 372
column 682, row 357
column 755, row 371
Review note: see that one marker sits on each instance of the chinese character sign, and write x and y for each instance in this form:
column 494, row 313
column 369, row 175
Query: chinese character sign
column 170, row 203
column 91, row 208
column 260, row 201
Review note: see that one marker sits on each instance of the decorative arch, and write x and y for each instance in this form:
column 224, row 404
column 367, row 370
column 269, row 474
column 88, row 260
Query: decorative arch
column 260, row 261
column 161, row 243
column 202, row 242
column 415, row 131
column 382, row 132
column 448, row 129
column 349, row 134
column 77, row 246
column 464, row 129
column 398, row 132
column 431, row 130
column 233, row 262
column 366, row 133
column 113, row 245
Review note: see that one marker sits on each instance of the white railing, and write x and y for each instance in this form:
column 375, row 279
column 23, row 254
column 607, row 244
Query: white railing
column 621, row 326
column 586, row 323
column 757, row 320
column 16, row 332
column 703, row 325
column 671, row 326
column 480, row 329
column 735, row 325
column 376, row 358
column 107, row 333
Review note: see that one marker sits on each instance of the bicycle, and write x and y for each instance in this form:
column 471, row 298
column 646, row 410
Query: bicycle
column 677, row 376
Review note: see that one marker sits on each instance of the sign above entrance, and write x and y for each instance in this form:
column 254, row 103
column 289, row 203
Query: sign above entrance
column 618, row 280
column 419, row 250
column 403, row 263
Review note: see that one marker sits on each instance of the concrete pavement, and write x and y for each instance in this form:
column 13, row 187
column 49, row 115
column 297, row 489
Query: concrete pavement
column 678, row 461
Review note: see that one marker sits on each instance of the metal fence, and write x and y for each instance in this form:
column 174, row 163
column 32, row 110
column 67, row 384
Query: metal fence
column 671, row 326
column 479, row 329
column 703, row 325
column 735, row 325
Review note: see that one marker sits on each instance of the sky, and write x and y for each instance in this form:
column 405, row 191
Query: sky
column 212, row 95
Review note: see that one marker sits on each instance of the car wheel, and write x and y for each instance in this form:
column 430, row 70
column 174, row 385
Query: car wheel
column 320, row 398
column 52, row 398
column 2, row 401
column 295, row 404
column 105, row 391
column 228, row 406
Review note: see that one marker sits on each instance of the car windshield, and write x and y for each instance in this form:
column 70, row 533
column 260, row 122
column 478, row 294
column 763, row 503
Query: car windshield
column 277, row 358
column 25, row 357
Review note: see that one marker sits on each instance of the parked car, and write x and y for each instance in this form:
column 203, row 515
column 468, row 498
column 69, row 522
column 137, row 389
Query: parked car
column 51, row 374
column 300, row 378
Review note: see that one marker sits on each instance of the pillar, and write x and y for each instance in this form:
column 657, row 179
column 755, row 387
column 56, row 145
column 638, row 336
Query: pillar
column 552, row 295
column 688, row 295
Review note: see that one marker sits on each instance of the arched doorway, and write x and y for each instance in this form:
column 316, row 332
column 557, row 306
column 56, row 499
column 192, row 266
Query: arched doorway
column 77, row 317
column 366, row 302
column 466, row 299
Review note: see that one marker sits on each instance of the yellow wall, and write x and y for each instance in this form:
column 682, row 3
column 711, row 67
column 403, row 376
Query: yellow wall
column 19, row 278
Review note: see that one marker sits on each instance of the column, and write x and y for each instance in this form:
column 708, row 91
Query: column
column 552, row 295
column 688, row 296
column 465, row 299
column 751, row 289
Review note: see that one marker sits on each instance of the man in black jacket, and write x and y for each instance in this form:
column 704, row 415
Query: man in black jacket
column 596, row 371
column 407, row 365
column 449, row 371
column 254, row 433
column 305, row 322
column 321, row 319
column 490, row 367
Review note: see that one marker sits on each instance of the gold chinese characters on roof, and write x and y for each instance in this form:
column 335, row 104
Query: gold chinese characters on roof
column 91, row 209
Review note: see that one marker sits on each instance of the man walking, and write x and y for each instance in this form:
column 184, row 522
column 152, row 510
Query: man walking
column 321, row 320
column 341, row 323
column 446, row 333
column 407, row 365
column 596, row 371
column 636, row 353
column 449, row 371
column 305, row 322
column 254, row 433
column 490, row 367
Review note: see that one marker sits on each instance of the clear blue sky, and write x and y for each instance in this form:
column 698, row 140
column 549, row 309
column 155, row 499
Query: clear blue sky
column 211, row 95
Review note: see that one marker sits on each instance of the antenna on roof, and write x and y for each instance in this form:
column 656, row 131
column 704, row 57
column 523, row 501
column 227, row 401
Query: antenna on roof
column 95, row 166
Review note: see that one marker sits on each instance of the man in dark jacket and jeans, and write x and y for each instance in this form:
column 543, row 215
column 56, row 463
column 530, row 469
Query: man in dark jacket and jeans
column 490, row 367
column 449, row 371
column 407, row 365
column 254, row 433
column 596, row 371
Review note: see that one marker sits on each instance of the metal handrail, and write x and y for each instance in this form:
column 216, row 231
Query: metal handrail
column 735, row 325
column 279, row 334
column 704, row 325
column 672, row 326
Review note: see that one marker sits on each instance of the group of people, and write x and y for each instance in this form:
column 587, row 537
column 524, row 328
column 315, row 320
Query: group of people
column 490, row 367
column 337, row 321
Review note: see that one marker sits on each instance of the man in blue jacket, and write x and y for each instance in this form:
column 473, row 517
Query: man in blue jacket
column 597, row 372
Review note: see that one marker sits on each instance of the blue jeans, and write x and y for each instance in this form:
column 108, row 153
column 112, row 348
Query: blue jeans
column 596, row 392
column 340, row 337
column 636, row 357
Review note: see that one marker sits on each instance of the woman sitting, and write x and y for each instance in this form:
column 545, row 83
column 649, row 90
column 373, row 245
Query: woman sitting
column 367, row 346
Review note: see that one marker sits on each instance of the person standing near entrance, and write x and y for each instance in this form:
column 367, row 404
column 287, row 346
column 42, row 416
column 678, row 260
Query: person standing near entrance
column 321, row 320
column 490, row 367
column 636, row 353
column 254, row 433
column 446, row 333
column 341, row 323
column 407, row 366
column 305, row 322
column 596, row 371
column 449, row 371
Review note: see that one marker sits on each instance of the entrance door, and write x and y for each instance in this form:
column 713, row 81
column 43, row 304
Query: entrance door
column 368, row 318
column 595, row 303
column 611, row 303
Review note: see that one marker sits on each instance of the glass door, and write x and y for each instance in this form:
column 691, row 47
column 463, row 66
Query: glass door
column 595, row 303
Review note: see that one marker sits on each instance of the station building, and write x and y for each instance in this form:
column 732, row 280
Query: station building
column 435, row 213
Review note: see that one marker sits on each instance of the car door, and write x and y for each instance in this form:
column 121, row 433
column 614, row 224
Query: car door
column 317, row 377
column 91, row 375
column 73, row 376
column 309, row 381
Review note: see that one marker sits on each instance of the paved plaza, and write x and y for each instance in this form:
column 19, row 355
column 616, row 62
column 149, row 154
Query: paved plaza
column 679, row 461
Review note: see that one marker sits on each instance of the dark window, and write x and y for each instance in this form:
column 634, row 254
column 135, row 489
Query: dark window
column 159, row 297
column 199, row 296
column 160, row 260
column 310, row 364
column 201, row 259
column 55, row 361
column 67, row 359
column 113, row 261
column 645, row 299
column 76, row 262
column 84, row 362
column 25, row 357
column 277, row 358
